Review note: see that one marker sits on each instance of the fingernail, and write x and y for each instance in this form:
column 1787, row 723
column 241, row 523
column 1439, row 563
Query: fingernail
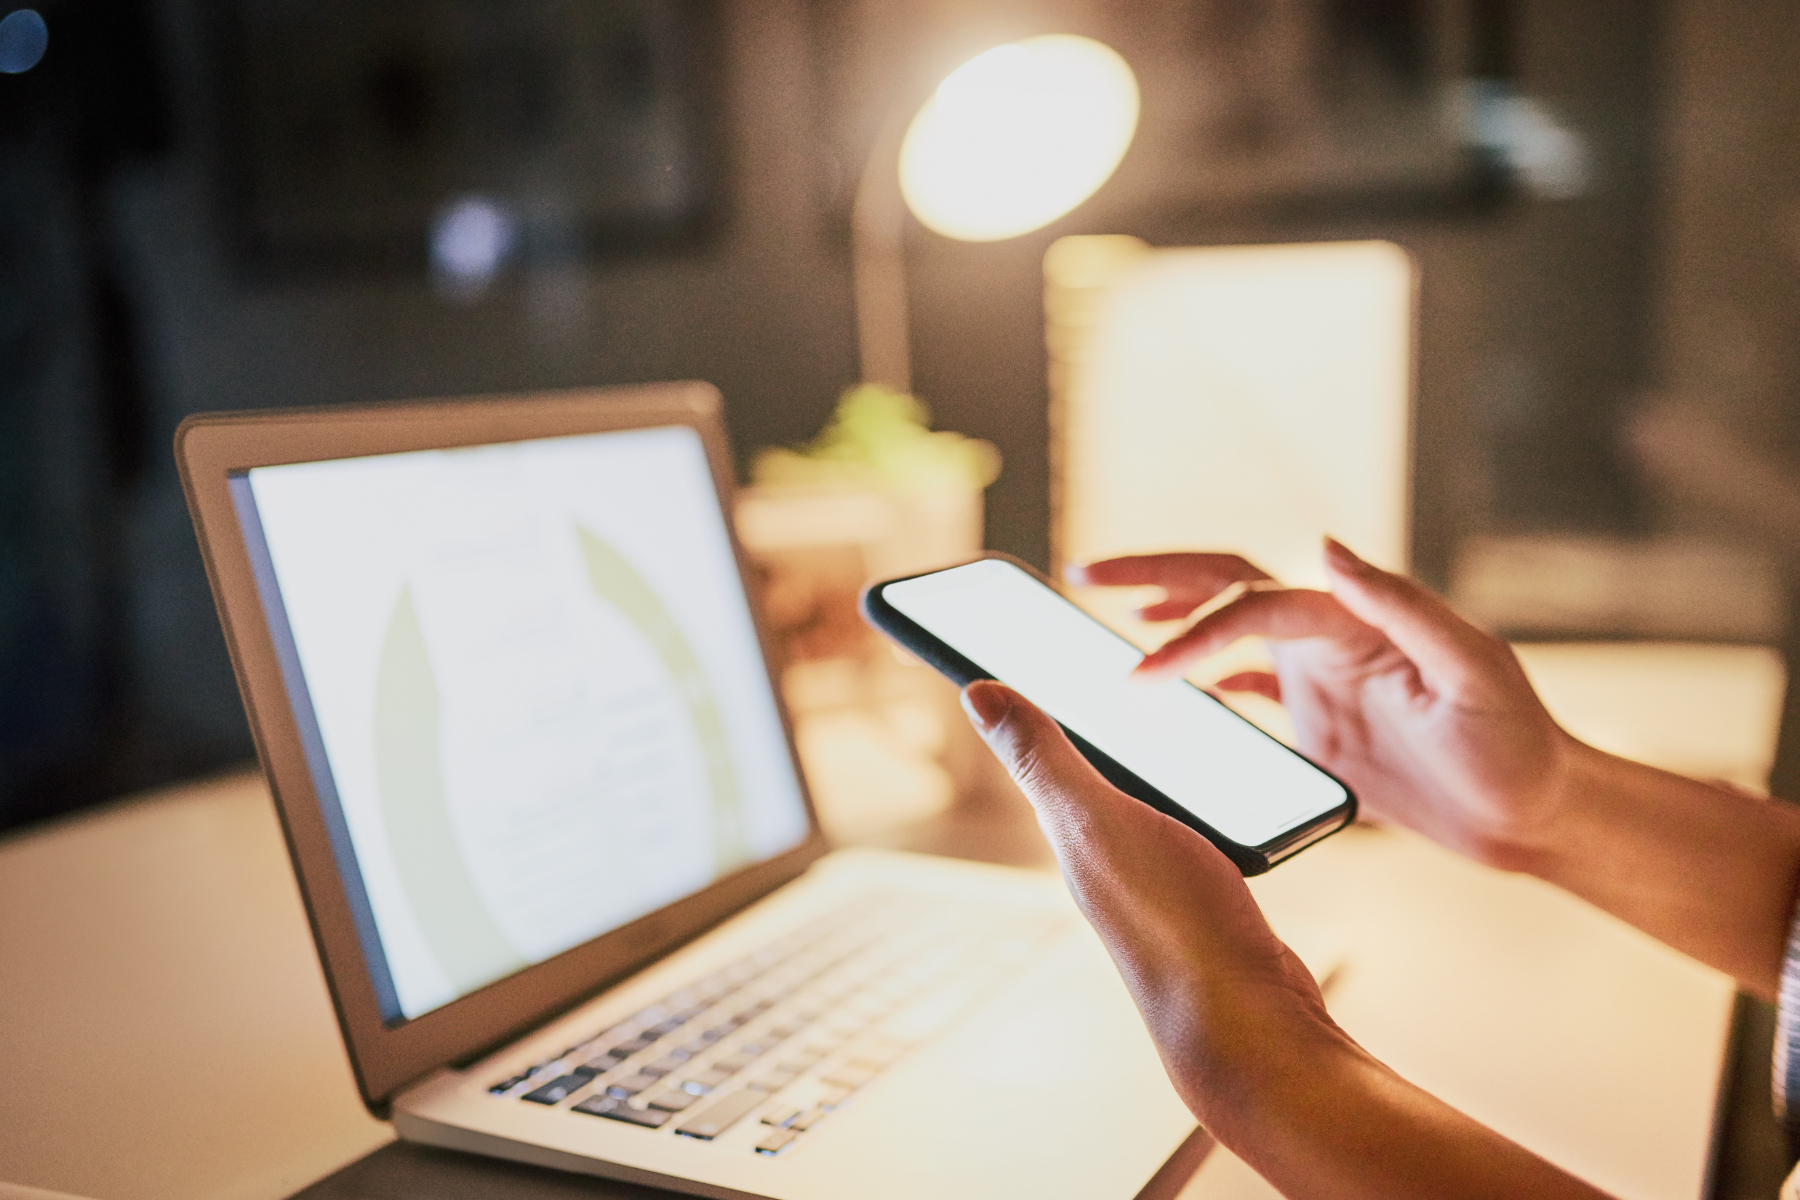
column 986, row 704
column 1076, row 573
column 1148, row 671
column 1339, row 557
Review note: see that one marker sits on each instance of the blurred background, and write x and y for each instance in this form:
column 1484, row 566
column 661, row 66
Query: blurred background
column 1553, row 250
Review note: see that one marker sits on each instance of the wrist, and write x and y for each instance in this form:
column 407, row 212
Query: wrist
column 1239, row 1074
column 1253, row 1097
column 1539, row 826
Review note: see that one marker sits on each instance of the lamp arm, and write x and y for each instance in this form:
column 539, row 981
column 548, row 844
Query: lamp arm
column 877, row 228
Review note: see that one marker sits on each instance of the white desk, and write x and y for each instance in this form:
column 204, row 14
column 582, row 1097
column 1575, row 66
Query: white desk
column 164, row 1029
column 165, row 1033
column 1546, row 1019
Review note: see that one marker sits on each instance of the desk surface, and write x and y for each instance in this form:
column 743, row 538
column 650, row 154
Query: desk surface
column 165, row 1033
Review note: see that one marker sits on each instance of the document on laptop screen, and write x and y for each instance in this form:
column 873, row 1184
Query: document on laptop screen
column 537, row 692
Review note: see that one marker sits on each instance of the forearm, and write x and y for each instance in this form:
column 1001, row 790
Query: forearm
column 1707, row 870
column 1320, row 1118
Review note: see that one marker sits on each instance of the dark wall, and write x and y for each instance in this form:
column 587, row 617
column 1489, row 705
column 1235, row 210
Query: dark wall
column 125, row 304
column 116, row 676
column 1729, row 260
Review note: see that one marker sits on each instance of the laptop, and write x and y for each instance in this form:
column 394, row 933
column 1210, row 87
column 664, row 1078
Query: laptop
column 568, row 890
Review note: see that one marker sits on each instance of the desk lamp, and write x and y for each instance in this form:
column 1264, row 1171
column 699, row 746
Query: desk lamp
column 1011, row 140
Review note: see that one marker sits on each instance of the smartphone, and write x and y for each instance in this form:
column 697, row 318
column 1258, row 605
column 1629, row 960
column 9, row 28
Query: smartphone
column 1169, row 744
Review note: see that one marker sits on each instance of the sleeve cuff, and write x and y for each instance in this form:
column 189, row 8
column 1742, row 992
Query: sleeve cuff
column 1784, row 1076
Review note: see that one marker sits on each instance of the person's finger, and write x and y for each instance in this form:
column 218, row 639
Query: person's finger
column 1087, row 819
column 1284, row 614
column 1446, row 649
column 1063, row 786
column 1173, row 912
column 1188, row 574
column 1262, row 683
column 1174, row 608
column 1117, row 854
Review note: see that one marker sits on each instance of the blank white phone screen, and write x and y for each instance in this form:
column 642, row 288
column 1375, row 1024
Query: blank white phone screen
column 1173, row 736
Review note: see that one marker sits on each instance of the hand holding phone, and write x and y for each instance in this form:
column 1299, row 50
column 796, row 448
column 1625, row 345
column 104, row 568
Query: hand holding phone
column 1168, row 743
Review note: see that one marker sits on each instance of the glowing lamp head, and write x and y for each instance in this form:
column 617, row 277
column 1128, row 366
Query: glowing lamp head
column 1018, row 136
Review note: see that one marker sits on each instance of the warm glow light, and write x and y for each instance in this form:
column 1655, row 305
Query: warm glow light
column 1246, row 398
column 1016, row 137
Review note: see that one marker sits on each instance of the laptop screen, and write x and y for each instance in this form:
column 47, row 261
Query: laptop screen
column 530, row 690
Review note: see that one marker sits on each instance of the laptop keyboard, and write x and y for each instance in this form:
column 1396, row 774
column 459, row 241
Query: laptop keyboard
column 794, row 1030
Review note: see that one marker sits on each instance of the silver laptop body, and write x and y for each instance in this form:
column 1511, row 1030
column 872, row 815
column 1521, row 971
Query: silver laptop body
column 567, row 887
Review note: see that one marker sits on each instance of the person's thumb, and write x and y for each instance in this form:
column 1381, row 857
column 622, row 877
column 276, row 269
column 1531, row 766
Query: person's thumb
column 1148, row 884
column 1064, row 788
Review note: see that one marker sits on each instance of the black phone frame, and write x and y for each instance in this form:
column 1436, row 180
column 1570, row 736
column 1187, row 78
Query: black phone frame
column 1251, row 860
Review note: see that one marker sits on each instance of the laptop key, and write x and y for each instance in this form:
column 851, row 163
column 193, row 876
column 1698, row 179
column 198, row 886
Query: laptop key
column 631, row 1085
column 705, row 1081
column 616, row 1109
column 560, row 1088
column 673, row 1100
column 807, row 1119
column 722, row 1115
column 774, row 1081
column 776, row 1142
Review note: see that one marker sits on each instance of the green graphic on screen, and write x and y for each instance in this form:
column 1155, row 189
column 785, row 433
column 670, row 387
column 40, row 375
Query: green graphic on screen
column 409, row 774
column 456, row 924
column 618, row 583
